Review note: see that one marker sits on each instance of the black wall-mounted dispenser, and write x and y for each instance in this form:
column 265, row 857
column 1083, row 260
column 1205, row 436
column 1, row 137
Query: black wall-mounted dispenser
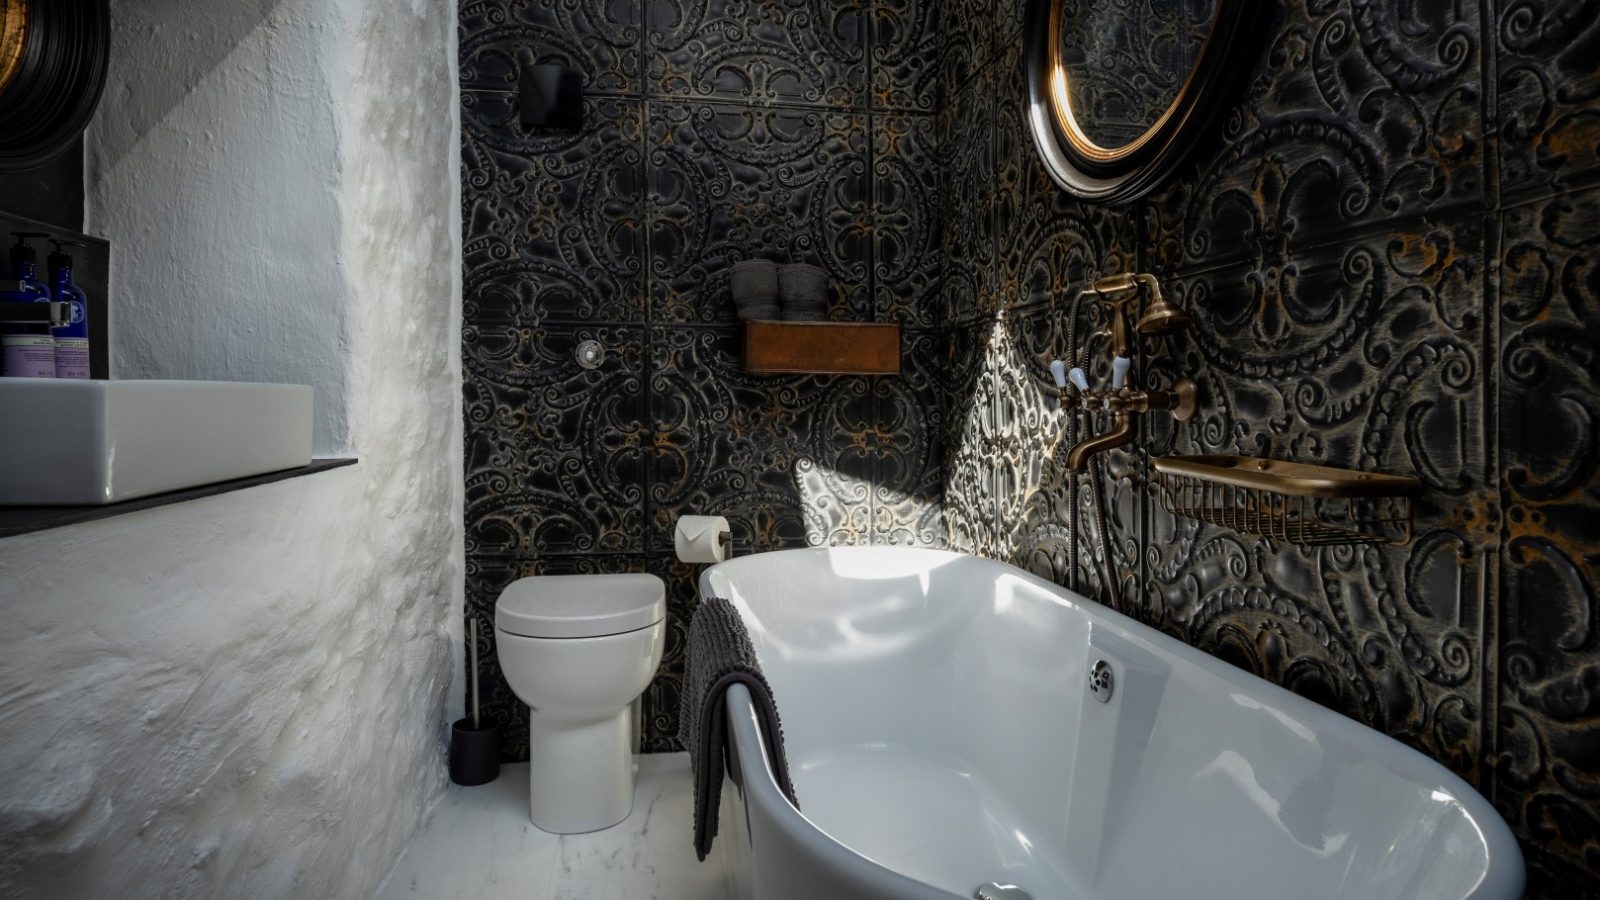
column 547, row 96
column 550, row 96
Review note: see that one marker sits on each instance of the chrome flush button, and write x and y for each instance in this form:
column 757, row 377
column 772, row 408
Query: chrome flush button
column 1100, row 680
column 591, row 354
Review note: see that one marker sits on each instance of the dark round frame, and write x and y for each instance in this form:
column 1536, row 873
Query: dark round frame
column 1133, row 170
column 57, row 83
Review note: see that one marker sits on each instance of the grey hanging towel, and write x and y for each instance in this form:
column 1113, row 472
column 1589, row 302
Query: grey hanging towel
column 720, row 656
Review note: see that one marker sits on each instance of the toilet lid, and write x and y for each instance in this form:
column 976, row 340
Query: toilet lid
column 573, row 606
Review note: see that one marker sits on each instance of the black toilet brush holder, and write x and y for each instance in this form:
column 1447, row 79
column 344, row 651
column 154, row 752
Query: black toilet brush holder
column 474, row 745
column 474, row 753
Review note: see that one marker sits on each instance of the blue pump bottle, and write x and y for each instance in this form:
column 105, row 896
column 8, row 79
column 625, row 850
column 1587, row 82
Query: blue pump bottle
column 26, row 351
column 72, row 339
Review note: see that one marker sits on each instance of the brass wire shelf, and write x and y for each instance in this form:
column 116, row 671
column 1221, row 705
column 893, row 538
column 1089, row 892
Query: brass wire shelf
column 1298, row 503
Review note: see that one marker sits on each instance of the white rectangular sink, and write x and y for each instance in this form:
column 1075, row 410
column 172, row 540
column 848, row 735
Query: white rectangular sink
column 86, row 443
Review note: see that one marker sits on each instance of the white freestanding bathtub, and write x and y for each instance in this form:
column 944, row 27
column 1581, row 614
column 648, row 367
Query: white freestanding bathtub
column 943, row 736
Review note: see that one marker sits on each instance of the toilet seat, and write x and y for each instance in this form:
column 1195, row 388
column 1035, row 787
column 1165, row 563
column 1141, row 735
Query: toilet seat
column 580, row 606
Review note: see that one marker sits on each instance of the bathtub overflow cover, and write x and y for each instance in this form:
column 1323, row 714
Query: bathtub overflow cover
column 994, row 890
column 1100, row 680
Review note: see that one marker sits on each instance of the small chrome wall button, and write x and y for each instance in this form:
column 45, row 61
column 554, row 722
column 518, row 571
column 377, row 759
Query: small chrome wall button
column 591, row 354
column 1101, row 682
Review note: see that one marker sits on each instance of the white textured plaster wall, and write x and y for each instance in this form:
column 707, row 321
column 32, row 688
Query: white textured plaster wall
column 213, row 165
column 248, row 695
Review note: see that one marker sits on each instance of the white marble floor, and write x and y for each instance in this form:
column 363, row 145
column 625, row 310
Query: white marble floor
column 477, row 844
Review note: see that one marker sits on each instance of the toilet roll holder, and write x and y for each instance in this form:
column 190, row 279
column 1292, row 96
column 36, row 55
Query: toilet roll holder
column 724, row 543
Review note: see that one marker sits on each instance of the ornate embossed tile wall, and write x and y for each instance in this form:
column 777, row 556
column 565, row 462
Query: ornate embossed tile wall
column 1390, row 254
column 714, row 131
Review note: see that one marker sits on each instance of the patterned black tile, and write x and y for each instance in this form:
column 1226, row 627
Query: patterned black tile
column 664, row 697
column 968, row 199
column 1358, row 114
column 1011, row 17
column 906, row 446
column 1547, row 96
column 971, row 438
column 554, row 222
column 968, row 27
column 1548, row 718
column 907, row 237
column 737, row 182
column 905, row 55
column 1363, row 356
column 796, row 51
column 1029, row 425
column 786, row 459
column 600, row 40
column 555, row 453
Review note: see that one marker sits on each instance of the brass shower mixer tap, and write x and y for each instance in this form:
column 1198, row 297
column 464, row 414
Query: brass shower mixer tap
column 1122, row 400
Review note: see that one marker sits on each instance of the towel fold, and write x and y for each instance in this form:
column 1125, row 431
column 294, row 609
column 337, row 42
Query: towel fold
column 720, row 656
column 803, row 292
column 754, row 286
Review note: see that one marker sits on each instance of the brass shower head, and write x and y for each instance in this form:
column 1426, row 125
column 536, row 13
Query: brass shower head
column 1162, row 317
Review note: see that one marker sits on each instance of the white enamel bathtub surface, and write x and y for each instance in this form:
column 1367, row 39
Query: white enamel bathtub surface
column 941, row 736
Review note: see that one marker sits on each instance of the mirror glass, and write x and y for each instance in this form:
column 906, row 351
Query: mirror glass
column 1119, row 64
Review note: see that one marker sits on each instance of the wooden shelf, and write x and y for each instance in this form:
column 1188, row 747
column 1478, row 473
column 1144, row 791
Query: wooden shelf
column 822, row 348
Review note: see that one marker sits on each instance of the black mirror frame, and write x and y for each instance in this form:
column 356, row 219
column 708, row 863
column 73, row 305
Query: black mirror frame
column 1229, row 53
column 57, row 86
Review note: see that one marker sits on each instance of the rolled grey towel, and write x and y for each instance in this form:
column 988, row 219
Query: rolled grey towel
column 803, row 292
column 754, row 285
column 720, row 656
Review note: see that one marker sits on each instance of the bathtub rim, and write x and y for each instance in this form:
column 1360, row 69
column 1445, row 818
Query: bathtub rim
column 1505, row 872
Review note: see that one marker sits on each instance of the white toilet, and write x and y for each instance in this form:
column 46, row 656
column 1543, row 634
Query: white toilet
column 579, row 650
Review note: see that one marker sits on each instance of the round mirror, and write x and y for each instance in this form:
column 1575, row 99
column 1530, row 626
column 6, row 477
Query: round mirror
column 53, row 56
column 1121, row 90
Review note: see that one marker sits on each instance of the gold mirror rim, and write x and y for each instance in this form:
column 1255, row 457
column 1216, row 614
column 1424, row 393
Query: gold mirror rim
column 1061, row 99
column 13, row 39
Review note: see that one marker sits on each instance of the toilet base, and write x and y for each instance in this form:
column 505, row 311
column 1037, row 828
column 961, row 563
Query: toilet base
column 580, row 773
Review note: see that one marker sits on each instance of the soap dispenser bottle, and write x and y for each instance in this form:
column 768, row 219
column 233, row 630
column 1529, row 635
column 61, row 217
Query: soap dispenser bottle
column 72, row 339
column 26, row 351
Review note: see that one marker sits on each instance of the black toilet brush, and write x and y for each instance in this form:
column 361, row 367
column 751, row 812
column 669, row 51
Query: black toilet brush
column 474, row 747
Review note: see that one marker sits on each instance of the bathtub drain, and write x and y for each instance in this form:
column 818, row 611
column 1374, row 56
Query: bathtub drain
column 994, row 890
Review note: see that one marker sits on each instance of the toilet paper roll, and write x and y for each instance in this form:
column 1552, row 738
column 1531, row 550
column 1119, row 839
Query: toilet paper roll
column 699, row 539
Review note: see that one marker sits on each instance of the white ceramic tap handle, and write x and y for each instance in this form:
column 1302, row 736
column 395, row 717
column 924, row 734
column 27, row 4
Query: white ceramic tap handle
column 1058, row 371
column 1119, row 372
column 1078, row 378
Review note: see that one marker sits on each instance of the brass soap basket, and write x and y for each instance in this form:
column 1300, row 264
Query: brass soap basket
column 1298, row 503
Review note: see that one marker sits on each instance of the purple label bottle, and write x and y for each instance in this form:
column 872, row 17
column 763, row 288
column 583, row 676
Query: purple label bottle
column 72, row 339
column 26, row 351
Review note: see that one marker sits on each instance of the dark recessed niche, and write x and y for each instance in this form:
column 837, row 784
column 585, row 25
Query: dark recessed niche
column 91, row 270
